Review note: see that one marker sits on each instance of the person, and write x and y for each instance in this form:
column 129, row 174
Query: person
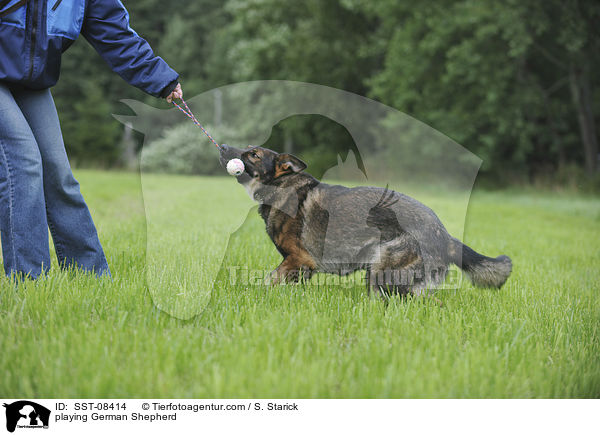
column 37, row 187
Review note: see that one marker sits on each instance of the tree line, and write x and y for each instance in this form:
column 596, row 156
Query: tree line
column 515, row 82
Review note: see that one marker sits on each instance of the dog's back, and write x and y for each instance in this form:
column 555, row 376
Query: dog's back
column 351, row 225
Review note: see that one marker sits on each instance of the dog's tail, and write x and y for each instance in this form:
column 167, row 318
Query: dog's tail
column 483, row 271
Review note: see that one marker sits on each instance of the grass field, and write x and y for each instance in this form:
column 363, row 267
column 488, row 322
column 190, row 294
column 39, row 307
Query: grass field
column 70, row 335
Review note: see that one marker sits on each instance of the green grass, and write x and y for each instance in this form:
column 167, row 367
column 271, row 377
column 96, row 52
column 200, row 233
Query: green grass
column 70, row 335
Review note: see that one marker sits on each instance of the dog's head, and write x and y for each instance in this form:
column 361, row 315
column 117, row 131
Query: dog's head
column 268, row 176
column 262, row 164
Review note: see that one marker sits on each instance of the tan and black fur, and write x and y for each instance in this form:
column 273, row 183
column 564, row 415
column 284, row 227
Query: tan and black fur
column 317, row 227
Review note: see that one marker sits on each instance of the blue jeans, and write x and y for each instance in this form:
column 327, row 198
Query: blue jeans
column 38, row 190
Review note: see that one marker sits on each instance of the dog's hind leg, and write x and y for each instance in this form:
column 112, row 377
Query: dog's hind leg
column 405, row 282
column 399, row 270
column 396, row 280
column 373, row 288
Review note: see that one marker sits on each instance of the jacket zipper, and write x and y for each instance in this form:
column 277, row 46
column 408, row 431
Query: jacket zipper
column 58, row 2
column 33, row 37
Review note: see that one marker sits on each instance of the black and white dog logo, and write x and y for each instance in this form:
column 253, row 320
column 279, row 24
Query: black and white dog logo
column 26, row 414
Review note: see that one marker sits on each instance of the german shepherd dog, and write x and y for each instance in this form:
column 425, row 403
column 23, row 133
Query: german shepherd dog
column 316, row 227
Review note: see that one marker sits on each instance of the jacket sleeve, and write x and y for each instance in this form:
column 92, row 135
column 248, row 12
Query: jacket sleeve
column 106, row 27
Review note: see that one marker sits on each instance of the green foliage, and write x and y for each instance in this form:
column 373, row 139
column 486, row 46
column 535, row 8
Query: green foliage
column 511, row 81
column 89, row 136
column 492, row 76
column 184, row 150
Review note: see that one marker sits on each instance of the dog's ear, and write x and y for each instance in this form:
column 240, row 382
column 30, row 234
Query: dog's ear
column 287, row 163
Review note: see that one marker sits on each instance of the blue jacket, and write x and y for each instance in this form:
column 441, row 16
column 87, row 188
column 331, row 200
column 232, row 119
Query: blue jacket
column 34, row 34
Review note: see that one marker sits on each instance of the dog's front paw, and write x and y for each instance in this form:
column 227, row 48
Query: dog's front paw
column 273, row 278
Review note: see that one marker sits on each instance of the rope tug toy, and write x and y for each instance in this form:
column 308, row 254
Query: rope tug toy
column 235, row 167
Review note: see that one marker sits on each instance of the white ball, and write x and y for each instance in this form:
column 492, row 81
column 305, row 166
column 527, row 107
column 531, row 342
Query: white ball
column 235, row 167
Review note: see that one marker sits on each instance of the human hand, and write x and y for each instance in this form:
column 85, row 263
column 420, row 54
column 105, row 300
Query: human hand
column 176, row 94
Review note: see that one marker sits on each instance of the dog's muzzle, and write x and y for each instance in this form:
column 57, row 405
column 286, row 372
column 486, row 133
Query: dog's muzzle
column 227, row 153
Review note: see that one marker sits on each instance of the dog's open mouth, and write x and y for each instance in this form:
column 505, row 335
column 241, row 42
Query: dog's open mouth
column 227, row 153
